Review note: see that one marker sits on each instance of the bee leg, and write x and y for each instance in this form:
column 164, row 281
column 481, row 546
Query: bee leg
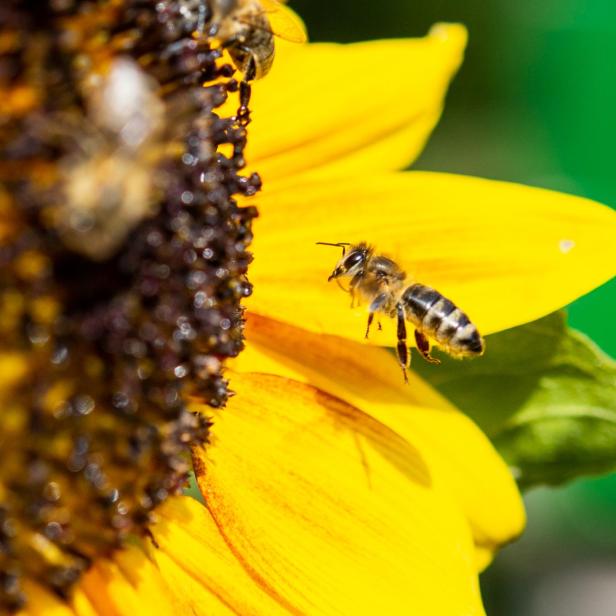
column 245, row 91
column 370, row 317
column 243, row 113
column 251, row 67
column 401, row 348
column 423, row 346
column 243, row 55
column 354, row 282
column 378, row 301
column 379, row 326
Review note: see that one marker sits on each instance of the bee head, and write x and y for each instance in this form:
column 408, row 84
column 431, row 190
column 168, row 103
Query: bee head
column 352, row 261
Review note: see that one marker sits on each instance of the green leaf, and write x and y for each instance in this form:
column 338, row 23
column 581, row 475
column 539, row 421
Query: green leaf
column 192, row 489
column 544, row 394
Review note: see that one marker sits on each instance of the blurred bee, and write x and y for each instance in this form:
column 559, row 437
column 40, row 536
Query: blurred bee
column 380, row 281
column 247, row 28
column 107, row 176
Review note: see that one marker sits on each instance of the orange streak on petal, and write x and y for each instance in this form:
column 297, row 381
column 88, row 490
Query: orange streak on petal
column 202, row 563
column 332, row 509
column 457, row 452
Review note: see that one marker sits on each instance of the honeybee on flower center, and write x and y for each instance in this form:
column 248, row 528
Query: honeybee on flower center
column 246, row 28
column 380, row 281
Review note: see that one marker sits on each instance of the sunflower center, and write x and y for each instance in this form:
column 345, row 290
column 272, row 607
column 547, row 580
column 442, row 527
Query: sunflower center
column 123, row 256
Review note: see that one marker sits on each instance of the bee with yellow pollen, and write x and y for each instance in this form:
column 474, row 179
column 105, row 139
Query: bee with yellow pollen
column 134, row 152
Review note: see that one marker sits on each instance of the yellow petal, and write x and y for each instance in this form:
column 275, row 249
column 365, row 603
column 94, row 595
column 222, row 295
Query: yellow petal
column 456, row 451
column 149, row 584
column 197, row 562
column 81, row 604
column 506, row 254
column 334, row 511
column 189, row 570
column 129, row 583
column 483, row 557
column 344, row 109
column 111, row 591
column 42, row 603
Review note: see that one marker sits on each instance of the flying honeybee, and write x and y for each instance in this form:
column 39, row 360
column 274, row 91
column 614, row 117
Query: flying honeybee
column 380, row 281
column 247, row 28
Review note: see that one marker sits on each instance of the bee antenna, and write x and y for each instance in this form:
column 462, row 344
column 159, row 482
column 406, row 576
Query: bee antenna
column 337, row 245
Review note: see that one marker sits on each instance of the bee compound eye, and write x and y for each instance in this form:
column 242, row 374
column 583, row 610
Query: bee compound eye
column 354, row 258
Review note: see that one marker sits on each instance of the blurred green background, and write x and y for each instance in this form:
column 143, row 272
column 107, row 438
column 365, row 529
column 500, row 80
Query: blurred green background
column 535, row 102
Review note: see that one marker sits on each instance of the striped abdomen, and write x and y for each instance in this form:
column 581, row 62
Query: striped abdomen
column 440, row 319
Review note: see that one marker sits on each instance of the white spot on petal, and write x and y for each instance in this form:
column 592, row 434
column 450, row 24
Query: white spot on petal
column 565, row 246
column 440, row 31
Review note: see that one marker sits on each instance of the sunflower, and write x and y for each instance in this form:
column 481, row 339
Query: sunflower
column 330, row 486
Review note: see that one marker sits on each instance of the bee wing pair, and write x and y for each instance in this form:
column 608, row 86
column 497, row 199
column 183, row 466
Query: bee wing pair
column 284, row 22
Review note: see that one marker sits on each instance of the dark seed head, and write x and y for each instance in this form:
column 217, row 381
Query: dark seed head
column 123, row 257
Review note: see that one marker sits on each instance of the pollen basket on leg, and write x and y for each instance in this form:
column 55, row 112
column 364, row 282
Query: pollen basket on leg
column 123, row 257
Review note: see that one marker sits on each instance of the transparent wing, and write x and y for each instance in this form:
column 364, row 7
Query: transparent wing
column 284, row 22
